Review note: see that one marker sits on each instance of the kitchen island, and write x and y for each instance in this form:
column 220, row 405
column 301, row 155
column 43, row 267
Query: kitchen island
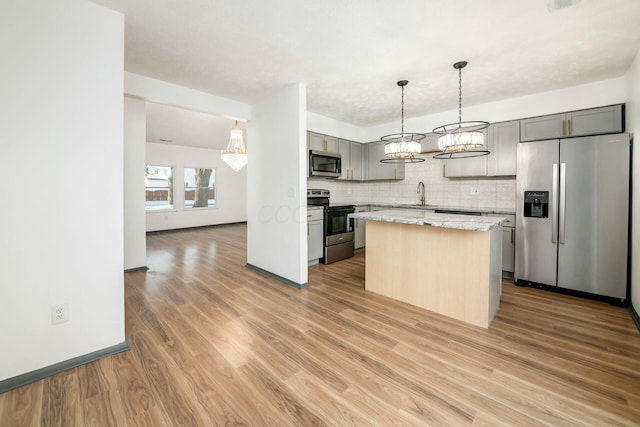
column 448, row 264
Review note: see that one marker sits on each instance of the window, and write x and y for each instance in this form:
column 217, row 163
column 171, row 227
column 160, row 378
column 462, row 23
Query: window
column 199, row 187
column 158, row 187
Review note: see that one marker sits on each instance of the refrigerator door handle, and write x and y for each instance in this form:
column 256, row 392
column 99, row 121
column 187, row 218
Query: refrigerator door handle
column 554, row 205
column 563, row 199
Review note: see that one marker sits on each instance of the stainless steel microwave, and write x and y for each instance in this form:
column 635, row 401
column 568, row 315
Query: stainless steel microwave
column 322, row 163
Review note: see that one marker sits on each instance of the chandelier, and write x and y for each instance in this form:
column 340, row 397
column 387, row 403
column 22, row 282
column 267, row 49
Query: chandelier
column 402, row 147
column 462, row 139
column 235, row 154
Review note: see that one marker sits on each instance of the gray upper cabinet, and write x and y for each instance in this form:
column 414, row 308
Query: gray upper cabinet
column 430, row 143
column 354, row 154
column 321, row 142
column 460, row 168
column 343, row 149
column 379, row 171
column 465, row 167
column 593, row 121
column 503, row 144
column 351, row 153
column 543, row 127
column 315, row 141
column 355, row 158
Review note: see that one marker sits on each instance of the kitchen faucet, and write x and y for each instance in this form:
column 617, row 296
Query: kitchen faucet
column 421, row 192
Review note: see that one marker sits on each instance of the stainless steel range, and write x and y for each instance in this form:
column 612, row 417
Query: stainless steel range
column 338, row 228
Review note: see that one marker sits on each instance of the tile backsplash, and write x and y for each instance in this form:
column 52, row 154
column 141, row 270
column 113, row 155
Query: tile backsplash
column 486, row 192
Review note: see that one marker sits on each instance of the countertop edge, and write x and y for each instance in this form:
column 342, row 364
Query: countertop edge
column 411, row 216
column 484, row 210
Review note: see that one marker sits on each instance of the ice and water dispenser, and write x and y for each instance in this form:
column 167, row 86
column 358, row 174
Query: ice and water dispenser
column 536, row 204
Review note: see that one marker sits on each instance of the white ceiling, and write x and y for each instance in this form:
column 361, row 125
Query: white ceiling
column 350, row 53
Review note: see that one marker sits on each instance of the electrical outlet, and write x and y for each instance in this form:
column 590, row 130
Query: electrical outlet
column 59, row 313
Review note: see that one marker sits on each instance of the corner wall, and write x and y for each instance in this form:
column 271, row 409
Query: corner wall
column 61, row 180
column 633, row 127
column 277, row 199
column 231, row 188
column 135, row 130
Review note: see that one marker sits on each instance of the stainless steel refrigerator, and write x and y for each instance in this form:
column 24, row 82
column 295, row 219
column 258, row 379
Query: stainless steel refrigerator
column 572, row 214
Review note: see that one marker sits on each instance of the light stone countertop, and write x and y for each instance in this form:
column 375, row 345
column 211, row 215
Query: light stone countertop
column 420, row 217
column 488, row 211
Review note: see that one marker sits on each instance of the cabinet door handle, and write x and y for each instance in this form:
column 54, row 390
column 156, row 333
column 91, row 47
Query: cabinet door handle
column 569, row 127
column 563, row 128
column 395, row 173
column 512, row 231
column 307, row 228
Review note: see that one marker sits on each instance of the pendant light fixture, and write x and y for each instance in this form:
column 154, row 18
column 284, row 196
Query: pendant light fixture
column 462, row 139
column 402, row 147
column 236, row 154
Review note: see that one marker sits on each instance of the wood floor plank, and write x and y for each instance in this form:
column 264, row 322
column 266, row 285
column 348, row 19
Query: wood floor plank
column 61, row 402
column 103, row 409
column 280, row 397
column 179, row 408
column 329, row 405
column 216, row 343
column 153, row 417
column 133, row 385
column 22, row 407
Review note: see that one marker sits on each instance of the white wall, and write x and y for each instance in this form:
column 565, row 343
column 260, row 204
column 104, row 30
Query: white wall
column 604, row 92
column 61, row 180
column 149, row 89
column 333, row 127
column 633, row 126
column 231, row 188
column 277, row 233
column 135, row 129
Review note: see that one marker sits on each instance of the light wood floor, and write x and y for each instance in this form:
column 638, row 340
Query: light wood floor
column 214, row 343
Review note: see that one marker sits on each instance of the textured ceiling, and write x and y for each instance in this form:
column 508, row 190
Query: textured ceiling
column 350, row 53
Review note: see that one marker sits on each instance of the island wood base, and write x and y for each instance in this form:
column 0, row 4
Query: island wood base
column 452, row 272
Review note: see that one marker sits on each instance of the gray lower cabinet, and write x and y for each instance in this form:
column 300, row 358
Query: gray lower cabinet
column 503, row 144
column 508, row 248
column 359, row 228
column 592, row 121
column 378, row 170
column 315, row 245
column 508, row 242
